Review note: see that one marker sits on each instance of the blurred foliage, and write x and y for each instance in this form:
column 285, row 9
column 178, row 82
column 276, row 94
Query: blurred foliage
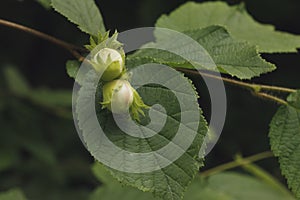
column 14, row 194
column 237, row 186
column 40, row 151
column 39, row 148
column 45, row 3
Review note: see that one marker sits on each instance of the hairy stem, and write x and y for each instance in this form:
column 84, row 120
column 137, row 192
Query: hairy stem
column 255, row 88
column 235, row 163
column 74, row 50
column 250, row 86
column 270, row 97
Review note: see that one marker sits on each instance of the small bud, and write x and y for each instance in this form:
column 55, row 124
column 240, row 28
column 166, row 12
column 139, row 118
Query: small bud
column 117, row 96
column 109, row 60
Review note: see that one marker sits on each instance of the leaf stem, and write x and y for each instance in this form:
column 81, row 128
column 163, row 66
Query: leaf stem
column 73, row 49
column 237, row 163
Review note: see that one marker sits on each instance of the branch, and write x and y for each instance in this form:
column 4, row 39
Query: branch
column 251, row 86
column 255, row 88
column 270, row 97
column 237, row 163
column 74, row 50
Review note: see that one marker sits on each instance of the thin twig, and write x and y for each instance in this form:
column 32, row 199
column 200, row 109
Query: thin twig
column 270, row 97
column 232, row 81
column 73, row 49
column 276, row 88
column 255, row 88
column 251, row 86
column 234, row 164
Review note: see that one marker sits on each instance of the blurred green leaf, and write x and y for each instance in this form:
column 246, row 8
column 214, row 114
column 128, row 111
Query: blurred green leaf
column 235, row 19
column 45, row 3
column 7, row 159
column 244, row 187
column 41, row 151
column 17, row 84
column 84, row 13
column 2, row 103
column 263, row 175
column 13, row 194
column 113, row 190
column 223, row 186
column 54, row 98
column 36, row 148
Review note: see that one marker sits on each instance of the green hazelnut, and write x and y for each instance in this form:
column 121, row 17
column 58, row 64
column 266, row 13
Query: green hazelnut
column 118, row 96
column 109, row 62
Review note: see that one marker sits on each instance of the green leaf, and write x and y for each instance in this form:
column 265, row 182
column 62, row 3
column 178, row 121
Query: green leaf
column 45, row 3
column 285, row 140
column 264, row 176
column 223, row 186
column 41, row 151
column 84, row 13
column 7, row 159
column 14, row 194
column 16, row 82
column 72, row 67
column 167, row 182
column 112, row 189
column 243, row 187
column 19, row 86
column 235, row 19
column 230, row 56
column 52, row 98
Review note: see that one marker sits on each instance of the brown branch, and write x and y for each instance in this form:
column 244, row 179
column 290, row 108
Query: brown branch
column 255, row 88
column 251, row 86
column 73, row 49
column 270, row 97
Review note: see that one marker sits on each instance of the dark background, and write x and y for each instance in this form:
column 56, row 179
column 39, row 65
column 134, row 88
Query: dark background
column 59, row 166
